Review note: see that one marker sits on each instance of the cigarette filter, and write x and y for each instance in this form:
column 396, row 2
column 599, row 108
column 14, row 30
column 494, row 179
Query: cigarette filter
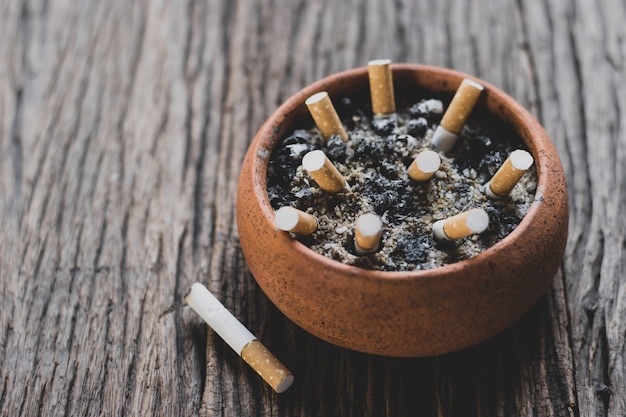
column 456, row 115
column 295, row 221
column 367, row 233
column 239, row 338
column 464, row 224
column 317, row 164
column 509, row 174
column 381, row 86
column 424, row 166
column 325, row 117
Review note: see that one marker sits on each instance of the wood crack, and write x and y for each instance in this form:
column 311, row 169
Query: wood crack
column 70, row 392
column 135, row 350
column 3, row 394
column 198, row 189
column 180, row 343
column 17, row 155
column 530, row 58
column 137, row 51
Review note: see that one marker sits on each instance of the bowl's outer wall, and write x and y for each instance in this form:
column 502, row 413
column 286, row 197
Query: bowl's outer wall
column 418, row 313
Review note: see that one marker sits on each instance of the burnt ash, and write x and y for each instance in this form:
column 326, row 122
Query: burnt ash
column 374, row 162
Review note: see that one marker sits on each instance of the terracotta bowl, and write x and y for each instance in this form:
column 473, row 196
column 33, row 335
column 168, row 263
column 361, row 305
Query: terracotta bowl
column 416, row 313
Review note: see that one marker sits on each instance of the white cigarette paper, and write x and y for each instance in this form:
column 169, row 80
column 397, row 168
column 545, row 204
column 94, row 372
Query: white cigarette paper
column 367, row 233
column 464, row 224
column 317, row 164
column 456, row 115
column 381, row 86
column 509, row 174
column 296, row 221
column 238, row 337
column 424, row 166
column 325, row 116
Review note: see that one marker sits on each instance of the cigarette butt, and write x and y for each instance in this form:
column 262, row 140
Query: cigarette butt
column 325, row 117
column 295, row 221
column 367, row 233
column 509, row 174
column 456, row 115
column 461, row 106
column 464, row 224
column 424, row 166
column 381, row 86
column 265, row 364
column 317, row 164
column 443, row 140
column 238, row 337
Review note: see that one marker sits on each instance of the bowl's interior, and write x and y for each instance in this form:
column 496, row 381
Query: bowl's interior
column 409, row 81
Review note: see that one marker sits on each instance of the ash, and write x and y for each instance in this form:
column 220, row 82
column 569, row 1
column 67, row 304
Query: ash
column 374, row 162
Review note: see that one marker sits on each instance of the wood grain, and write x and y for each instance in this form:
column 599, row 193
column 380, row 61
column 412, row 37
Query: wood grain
column 122, row 127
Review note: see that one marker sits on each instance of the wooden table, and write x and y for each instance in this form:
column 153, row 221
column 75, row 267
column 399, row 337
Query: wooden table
column 122, row 128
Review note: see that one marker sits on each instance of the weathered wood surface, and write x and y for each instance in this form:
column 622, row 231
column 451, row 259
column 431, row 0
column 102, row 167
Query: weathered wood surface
column 122, row 127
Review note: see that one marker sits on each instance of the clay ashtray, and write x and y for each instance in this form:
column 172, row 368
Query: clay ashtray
column 414, row 313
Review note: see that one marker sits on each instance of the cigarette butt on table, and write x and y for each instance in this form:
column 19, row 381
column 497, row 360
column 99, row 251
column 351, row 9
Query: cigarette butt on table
column 508, row 174
column 424, row 166
column 464, row 224
column 265, row 364
column 381, row 86
column 456, row 115
column 325, row 116
column 239, row 338
column 317, row 164
column 296, row 221
column 367, row 233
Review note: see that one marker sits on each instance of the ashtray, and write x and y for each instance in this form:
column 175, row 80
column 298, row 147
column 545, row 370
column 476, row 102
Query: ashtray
column 405, row 313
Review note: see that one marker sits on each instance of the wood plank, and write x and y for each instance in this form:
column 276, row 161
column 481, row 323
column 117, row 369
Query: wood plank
column 122, row 127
